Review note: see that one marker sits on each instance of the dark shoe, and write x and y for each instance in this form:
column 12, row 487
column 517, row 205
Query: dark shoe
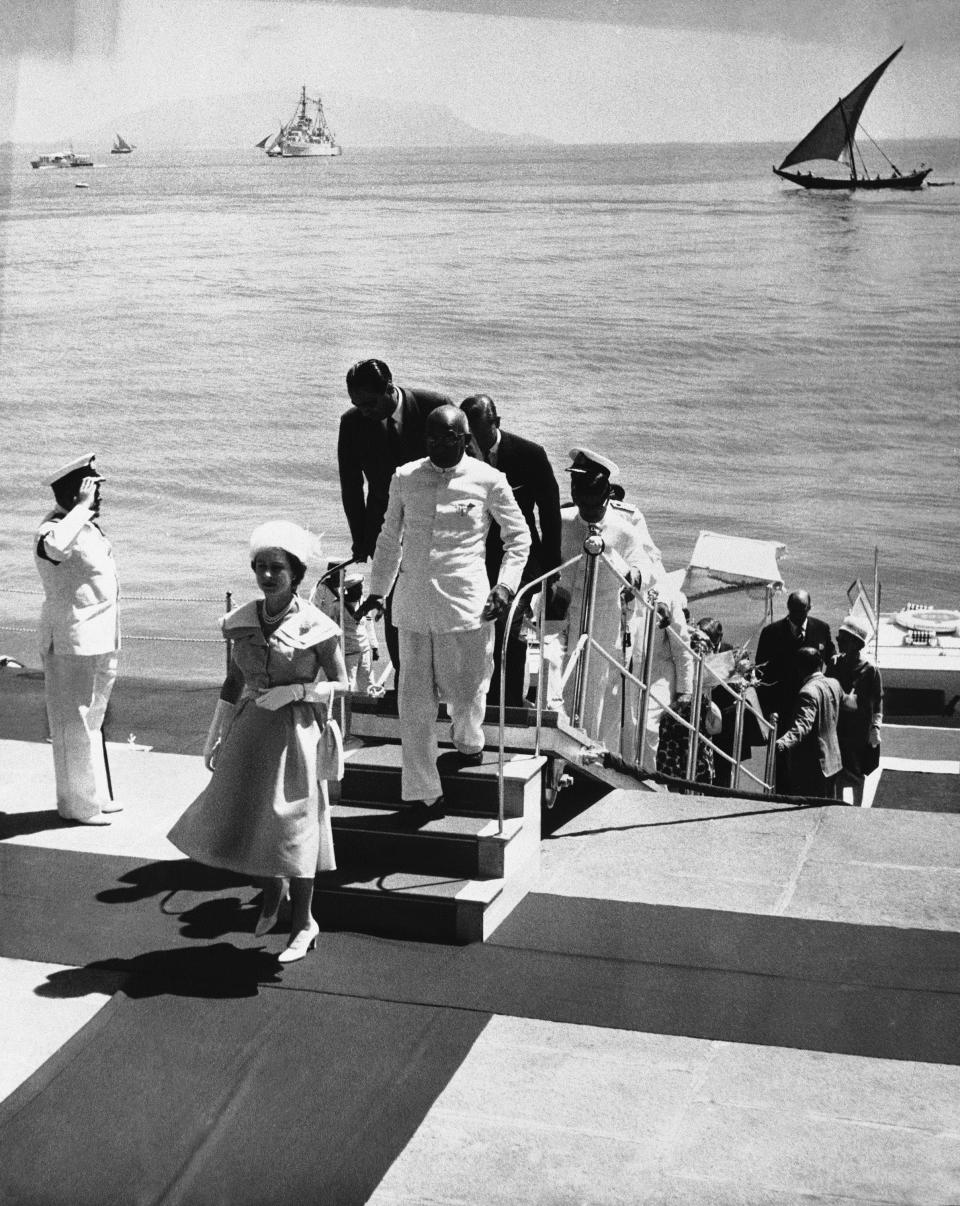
column 431, row 808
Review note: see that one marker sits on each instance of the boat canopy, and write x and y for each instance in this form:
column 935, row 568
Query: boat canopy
column 723, row 564
column 830, row 138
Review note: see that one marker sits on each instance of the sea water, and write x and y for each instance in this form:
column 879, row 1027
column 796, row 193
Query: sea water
column 759, row 360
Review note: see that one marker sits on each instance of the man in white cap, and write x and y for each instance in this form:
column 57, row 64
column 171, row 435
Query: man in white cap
column 79, row 638
column 435, row 534
column 861, row 710
column 628, row 544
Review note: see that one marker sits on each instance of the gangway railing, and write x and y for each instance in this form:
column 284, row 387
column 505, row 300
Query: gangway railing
column 578, row 664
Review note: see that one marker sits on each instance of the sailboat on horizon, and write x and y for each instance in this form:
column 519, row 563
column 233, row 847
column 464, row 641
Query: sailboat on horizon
column 833, row 137
column 121, row 146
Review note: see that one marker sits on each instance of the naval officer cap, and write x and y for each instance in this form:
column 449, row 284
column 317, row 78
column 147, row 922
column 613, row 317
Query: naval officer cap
column 580, row 453
column 291, row 537
column 82, row 467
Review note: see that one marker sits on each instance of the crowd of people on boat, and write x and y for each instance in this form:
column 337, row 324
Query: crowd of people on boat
column 455, row 516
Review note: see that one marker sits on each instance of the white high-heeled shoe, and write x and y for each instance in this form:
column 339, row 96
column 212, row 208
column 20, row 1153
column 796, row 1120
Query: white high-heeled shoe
column 301, row 942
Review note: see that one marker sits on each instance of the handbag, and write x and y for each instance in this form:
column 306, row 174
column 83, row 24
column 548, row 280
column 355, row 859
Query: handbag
column 330, row 752
column 712, row 719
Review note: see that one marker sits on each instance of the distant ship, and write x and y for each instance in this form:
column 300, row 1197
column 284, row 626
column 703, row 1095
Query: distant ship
column 121, row 146
column 833, row 138
column 305, row 136
column 63, row 159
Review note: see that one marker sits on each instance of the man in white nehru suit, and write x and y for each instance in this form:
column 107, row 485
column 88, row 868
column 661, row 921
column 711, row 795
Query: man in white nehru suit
column 79, row 638
column 435, row 533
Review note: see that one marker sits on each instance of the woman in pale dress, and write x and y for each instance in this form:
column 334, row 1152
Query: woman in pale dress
column 264, row 814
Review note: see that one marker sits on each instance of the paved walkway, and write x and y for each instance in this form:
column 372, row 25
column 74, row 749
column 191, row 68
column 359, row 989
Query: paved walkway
column 549, row 1112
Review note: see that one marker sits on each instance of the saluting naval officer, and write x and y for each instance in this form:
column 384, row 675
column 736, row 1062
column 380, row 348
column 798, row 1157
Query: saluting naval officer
column 79, row 638
column 435, row 533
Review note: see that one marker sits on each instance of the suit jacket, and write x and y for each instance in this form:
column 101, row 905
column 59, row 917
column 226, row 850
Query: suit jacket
column 812, row 735
column 368, row 454
column 535, row 488
column 776, row 660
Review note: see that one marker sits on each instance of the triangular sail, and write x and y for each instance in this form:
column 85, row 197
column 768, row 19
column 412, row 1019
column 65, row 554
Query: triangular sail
column 829, row 138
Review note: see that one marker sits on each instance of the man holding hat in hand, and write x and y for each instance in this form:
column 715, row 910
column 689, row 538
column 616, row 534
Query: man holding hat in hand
column 79, row 638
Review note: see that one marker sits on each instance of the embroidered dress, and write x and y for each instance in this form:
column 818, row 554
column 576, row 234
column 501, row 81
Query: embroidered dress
column 262, row 813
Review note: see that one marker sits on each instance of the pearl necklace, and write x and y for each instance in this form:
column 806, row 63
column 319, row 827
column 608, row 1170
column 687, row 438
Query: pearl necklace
column 268, row 618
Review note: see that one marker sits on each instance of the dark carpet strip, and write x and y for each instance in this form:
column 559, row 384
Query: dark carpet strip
column 918, row 791
column 784, row 981
column 168, row 1098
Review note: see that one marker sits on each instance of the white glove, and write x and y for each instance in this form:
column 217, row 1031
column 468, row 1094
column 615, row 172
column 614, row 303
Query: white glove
column 321, row 692
column 219, row 727
column 278, row 697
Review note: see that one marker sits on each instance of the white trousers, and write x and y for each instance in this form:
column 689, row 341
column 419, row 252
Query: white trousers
column 453, row 668
column 77, row 689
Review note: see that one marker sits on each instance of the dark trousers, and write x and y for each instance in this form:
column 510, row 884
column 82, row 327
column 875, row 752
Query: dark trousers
column 516, row 676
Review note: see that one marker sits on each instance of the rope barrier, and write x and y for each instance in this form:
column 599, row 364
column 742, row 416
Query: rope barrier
column 182, row 640
column 124, row 598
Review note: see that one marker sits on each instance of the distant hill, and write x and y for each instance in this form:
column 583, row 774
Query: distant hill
column 243, row 120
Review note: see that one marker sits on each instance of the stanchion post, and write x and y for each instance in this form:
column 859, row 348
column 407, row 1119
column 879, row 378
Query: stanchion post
column 228, row 601
column 769, row 770
column 593, row 546
column 737, row 739
column 649, row 635
column 693, row 747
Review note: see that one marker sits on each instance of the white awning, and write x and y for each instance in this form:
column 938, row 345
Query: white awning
column 722, row 564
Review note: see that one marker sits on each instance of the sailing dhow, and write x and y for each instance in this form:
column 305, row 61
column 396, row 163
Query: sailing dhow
column 833, row 138
column 121, row 146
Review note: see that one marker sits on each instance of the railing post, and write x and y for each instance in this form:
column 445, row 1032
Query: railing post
column 541, row 664
column 593, row 546
column 769, row 769
column 342, row 697
column 649, row 635
column 693, row 747
column 229, row 607
column 737, row 740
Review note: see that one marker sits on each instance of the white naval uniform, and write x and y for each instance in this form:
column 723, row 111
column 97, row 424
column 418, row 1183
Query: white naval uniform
column 79, row 640
column 628, row 544
column 434, row 533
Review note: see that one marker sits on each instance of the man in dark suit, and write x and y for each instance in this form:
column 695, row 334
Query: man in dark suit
column 809, row 746
column 777, row 651
column 535, row 488
column 383, row 428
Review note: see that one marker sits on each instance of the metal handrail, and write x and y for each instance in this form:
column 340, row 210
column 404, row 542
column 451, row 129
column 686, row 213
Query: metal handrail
column 527, row 588
column 578, row 662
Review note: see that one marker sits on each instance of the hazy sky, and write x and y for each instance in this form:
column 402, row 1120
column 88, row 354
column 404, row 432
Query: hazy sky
column 607, row 71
